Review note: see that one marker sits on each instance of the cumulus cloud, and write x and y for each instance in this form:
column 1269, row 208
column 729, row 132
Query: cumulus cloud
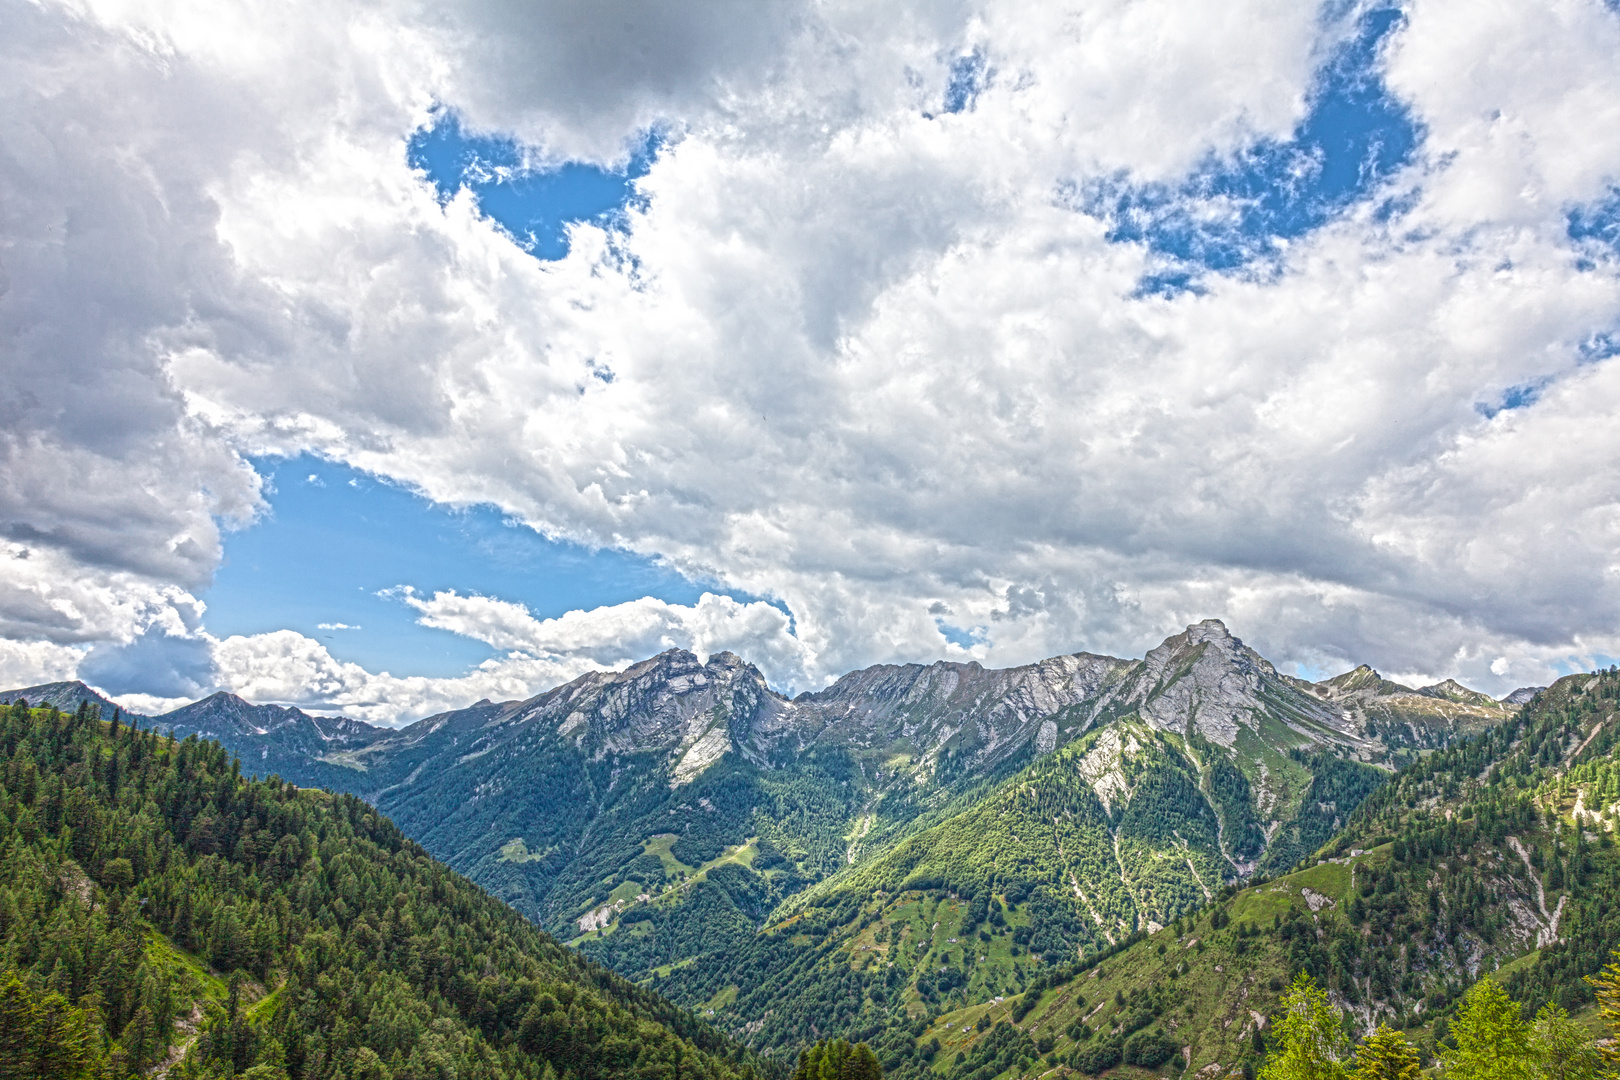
column 870, row 359
column 285, row 666
column 28, row 663
column 623, row 633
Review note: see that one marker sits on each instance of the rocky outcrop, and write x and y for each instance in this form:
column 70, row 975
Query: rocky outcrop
column 1398, row 716
column 989, row 712
column 1207, row 681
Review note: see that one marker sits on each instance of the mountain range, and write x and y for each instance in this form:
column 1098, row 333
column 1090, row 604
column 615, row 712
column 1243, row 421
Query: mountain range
column 669, row 818
column 546, row 799
column 1082, row 866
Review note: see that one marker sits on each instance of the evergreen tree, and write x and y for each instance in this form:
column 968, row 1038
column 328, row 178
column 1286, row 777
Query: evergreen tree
column 1386, row 1055
column 835, row 1059
column 1606, row 983
column 1493, row 1043
column 1310, row 1043
column 18, row 1015
column 862, row 1064
column 1562, row 1048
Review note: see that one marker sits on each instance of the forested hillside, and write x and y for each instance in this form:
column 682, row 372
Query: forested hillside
column 1117, row 834
column 910, row 843
column 1492, row 859
column 157, row 910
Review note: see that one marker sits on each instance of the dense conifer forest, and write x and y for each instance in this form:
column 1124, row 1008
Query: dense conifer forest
column 159, row 910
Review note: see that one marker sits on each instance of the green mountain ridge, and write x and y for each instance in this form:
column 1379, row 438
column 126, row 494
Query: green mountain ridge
column 827, row 780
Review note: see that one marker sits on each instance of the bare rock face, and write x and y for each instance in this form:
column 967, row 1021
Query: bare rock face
column 990, row 712
column 1399, row 716
column 1205, row 680
column 692, row 711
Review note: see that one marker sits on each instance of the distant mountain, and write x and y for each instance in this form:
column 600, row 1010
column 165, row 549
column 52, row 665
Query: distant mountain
column 64, row 695
column 1405, row 718
column 268, row 738
column 275, row 739
column 232, row 720
column 1522, row 695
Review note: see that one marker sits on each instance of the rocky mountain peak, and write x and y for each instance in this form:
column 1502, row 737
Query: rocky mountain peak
column 673, row 703
column 1452, row 690
column 1211, row 643
column 223, row 714
column 1205, row 679
column 64, row 695
column 1360, row 683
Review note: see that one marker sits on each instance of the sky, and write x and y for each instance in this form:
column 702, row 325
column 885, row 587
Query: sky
column 378, row 358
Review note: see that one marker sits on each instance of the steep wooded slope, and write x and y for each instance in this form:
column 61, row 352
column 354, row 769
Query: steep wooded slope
column 143, row 883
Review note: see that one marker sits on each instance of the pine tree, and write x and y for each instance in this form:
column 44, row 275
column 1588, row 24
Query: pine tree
column 862, row 1064
column 1562, row 1048
column 832, row 1059
column 1493, row 1043
column 1386, row 1055
column 1310, row 1043
column 1607, row 985
column 18, row 1016
column 61, row 1048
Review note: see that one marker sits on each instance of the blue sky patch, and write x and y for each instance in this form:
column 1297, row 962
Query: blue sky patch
column 956, row 635
column 1599, row 347
column 969, row 75
column 1514, row 397
column 337, row 537
column 1232, row 211
column 1598, row 222
column 534, row 205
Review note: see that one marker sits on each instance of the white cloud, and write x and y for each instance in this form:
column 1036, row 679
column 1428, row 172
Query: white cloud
column 29, row 663
column 867, row 363
column 335, row 626
column 285, row 666
column 624, row 633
